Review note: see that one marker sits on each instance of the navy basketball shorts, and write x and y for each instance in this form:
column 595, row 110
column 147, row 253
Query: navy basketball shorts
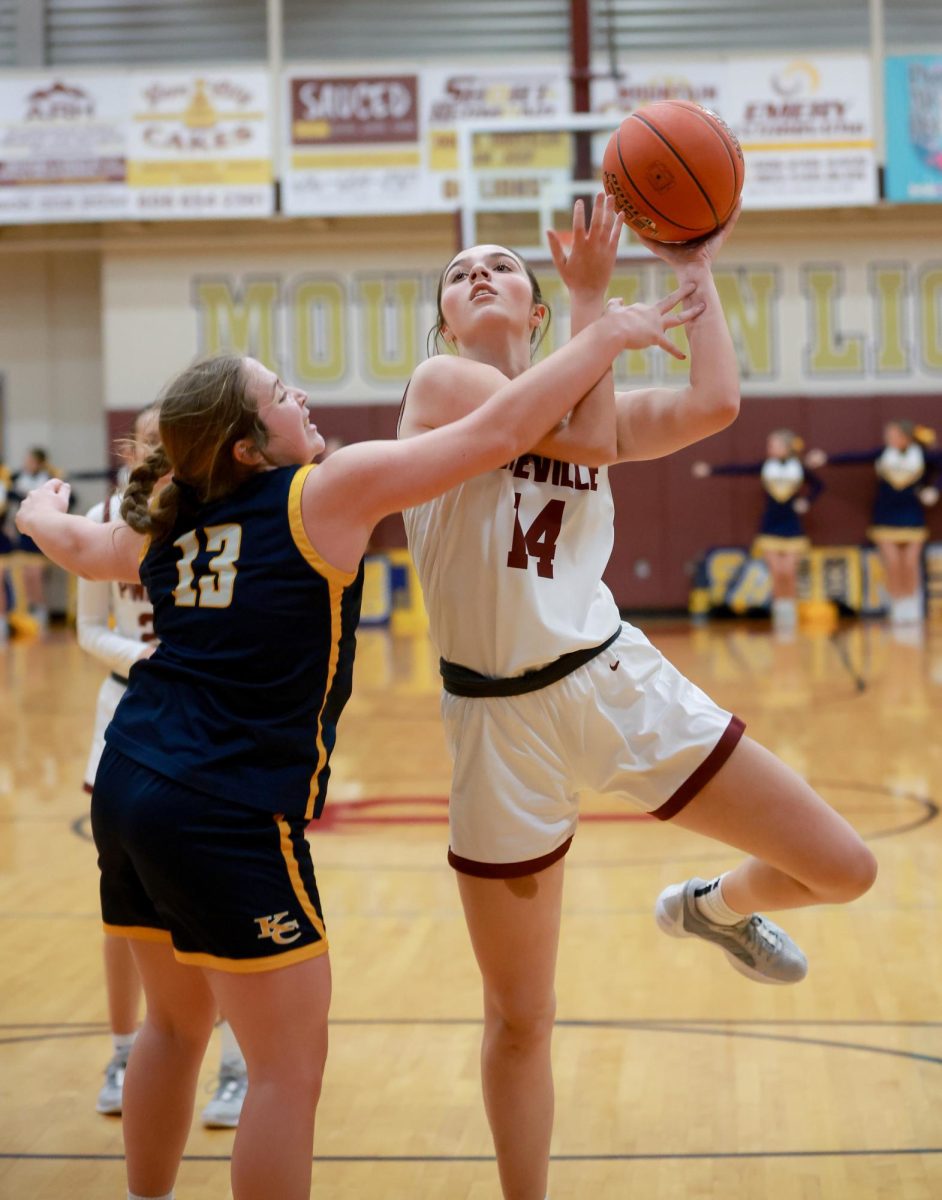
column 229, row 887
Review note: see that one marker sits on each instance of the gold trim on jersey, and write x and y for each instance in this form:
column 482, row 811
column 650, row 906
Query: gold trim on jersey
column 769, row 543
column 140, row 933
column 294, row 874
column 336, row 581
column 251, row 966
column 144, row 548
column 301, row 540
column 898, row 533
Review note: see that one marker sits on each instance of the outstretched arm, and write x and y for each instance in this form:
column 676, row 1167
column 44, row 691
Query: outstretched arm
column 344, row 498
column 79, row 545
column 653, row 422
column 702, row 470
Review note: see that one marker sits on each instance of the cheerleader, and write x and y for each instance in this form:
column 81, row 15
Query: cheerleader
column 790, row 492
column 898, row 524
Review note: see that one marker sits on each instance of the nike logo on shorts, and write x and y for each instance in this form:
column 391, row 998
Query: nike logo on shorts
column 615, row 665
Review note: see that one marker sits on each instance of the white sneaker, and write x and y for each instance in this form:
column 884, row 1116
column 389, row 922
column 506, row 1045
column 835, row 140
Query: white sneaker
column 223, row 1111
column 110, row 1096
column 756, row 947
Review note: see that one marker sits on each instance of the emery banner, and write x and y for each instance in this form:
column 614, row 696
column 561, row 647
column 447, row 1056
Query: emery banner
column 804, row 123
column 805, row 129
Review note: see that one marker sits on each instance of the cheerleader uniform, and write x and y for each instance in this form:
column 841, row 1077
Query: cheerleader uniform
column 783, row 479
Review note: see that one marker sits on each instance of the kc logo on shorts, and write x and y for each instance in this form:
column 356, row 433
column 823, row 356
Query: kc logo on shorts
column 278, row 929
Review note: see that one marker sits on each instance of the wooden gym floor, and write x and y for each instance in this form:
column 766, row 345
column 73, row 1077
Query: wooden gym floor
column 676, row 1078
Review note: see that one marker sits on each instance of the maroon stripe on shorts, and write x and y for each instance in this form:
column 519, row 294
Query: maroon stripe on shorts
column 512, row 870
column 704, row 773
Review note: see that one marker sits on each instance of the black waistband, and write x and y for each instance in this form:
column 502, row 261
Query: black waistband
column 462, row 681
column 119, row 678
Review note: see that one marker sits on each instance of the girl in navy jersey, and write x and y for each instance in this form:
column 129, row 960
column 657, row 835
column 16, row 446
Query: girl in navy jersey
column 218, row 755
column 790, row 491
column 906, row 471
column 547, row 693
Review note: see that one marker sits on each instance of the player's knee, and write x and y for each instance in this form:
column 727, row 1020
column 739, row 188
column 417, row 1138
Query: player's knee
column 854, row 876
column 520, row 1024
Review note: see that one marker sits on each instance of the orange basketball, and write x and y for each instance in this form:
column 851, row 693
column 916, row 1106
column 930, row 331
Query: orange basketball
column 675, row 170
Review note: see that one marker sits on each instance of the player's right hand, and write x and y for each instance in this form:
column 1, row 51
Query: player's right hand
column 52, row 496
column 644, row 325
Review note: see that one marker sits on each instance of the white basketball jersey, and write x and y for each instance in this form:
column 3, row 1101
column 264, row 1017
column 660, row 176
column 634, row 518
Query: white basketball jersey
column 511, row 565
column 130, row 605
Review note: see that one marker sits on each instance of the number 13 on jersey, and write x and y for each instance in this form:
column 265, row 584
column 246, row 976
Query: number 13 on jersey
column 214, row 588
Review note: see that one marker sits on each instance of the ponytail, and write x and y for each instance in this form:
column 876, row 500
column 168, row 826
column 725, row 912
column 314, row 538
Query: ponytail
column 154, row 518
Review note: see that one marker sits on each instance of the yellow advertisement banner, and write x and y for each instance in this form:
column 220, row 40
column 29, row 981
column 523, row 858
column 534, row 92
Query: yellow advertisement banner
column 206, row 172
column 333, row 160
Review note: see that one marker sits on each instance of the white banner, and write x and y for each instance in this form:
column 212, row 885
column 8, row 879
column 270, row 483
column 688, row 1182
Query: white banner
column 353, row 144
column 508, row 164
column 805, row 129
column 63, row 148
column 200, row 145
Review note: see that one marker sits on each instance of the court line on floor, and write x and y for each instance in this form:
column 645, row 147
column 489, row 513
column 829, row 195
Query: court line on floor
column 704, row 1028
column 395, row 1159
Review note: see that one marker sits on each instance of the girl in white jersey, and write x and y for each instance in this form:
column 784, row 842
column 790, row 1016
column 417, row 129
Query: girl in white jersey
column 547, row 693
column 115, row 624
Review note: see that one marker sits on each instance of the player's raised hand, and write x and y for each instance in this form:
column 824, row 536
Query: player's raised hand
column 644, row 325
column 701, row 251
column 585, row 265
column 52, row 496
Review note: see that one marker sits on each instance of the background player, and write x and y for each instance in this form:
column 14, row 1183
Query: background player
column 547, row 693
column 115, row 624
column 218, row 753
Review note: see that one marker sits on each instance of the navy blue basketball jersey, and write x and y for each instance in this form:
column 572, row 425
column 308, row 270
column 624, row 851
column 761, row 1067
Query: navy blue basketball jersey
column 255, row 662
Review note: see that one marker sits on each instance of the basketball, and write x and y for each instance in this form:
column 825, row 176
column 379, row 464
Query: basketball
column 675, row 170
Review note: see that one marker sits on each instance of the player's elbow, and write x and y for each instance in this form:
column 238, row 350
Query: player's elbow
column 723, row 409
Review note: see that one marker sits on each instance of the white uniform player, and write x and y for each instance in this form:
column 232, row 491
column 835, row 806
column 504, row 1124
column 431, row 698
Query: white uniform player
column 548, row 694
column 115, row 624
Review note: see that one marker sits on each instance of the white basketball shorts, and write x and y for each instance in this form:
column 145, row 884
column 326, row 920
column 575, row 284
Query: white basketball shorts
column 109, row 694
column 624, row 724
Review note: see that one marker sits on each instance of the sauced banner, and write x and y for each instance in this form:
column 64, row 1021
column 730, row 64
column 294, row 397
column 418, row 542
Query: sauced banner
column 368, row 143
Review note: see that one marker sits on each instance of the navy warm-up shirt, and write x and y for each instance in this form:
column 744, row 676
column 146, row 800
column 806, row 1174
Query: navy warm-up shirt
column 255, row 661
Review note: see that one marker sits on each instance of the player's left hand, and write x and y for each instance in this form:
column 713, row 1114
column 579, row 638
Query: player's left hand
column 801, row 505
column 929, row 496
column 585, row 263
column 52, row 496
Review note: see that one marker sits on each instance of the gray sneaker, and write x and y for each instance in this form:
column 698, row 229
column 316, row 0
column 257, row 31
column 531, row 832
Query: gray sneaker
column 756, row 947
column 109, row 1098
column 223, row 1111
